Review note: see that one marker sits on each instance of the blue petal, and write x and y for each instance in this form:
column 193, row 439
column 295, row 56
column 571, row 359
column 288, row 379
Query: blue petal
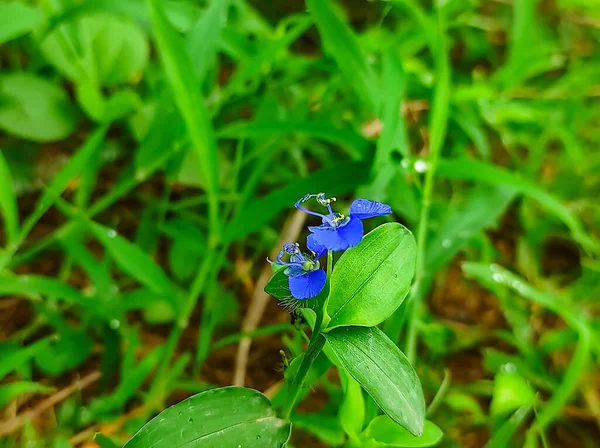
column 315, row 247
column 363, row 208
column 341, row 238
column 309, row 285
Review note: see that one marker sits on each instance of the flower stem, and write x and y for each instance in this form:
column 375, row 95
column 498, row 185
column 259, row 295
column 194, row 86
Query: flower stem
column 314, row 348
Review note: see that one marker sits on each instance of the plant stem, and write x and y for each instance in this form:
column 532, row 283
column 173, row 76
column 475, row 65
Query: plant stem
column 438, row 124
column 314, row 348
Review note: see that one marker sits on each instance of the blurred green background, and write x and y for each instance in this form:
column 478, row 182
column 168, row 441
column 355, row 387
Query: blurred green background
column 151, row 153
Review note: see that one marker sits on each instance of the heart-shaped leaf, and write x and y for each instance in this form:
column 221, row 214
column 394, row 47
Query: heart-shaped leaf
column 228, row 416
column 371, row 280
column 385, row 431
column 373, row 360
column 35, row 109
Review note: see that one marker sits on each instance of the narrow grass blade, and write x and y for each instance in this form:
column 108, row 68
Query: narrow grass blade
column 341, row 178
column 187, row 95
column 355, row 144
column 8, row 202
column 342, row 43
column 203, row 40
column 10, row 391
column 58, row 185
column 135, row 262
column 467, row 169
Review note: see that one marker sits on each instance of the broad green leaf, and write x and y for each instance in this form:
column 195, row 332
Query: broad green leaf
column 511, row 391
column 342, row 43
column 389, row 434
column 467, row 169
column 8, row 201
column 18, row 19
column 228, row 416
column 35, row 109
column 373, row 360
column 102, row 48
column 342, row 177
column 135, row 262
column 371, row 280
column 278, row 286
column 190, row 103
column 10, row 391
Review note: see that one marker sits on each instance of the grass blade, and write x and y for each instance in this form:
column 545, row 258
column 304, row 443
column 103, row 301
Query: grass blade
column 73, row 169
column 190, row 103
column 203, row 40
column 8, row 202
column 467, row 169
column 342, row 43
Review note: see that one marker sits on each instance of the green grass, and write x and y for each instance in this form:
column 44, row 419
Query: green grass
column 151, row 151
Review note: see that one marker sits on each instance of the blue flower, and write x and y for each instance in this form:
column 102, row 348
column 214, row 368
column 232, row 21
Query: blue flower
column 339, row 232
column 305, row 276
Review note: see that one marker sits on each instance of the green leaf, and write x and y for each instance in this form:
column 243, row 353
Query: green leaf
column 35, row 109
column 511, row 391
column 341, row 177
column 33, row 285
column 502, row 437
column 342, row 43
column 371, row 280
column 18, row 19
column 130, row 383
column 347, row 138
column 481, row 210
column 13, row 357
column 100, row 48
column 190, row 103
column 70, row 351
column 467, row 169
column 279, row 286
column 393, row 134
column 134, row 261
column 104, row 441
column 352, row 408
column 8, row 201
column 324, row 427
column 373, row 360
column 386, row 431
column 10, row 391
column 203, row 40
column 228, row 416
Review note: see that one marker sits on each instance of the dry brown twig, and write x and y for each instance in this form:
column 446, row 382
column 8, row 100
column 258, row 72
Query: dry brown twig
column 12, row 425
column 260, row 298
